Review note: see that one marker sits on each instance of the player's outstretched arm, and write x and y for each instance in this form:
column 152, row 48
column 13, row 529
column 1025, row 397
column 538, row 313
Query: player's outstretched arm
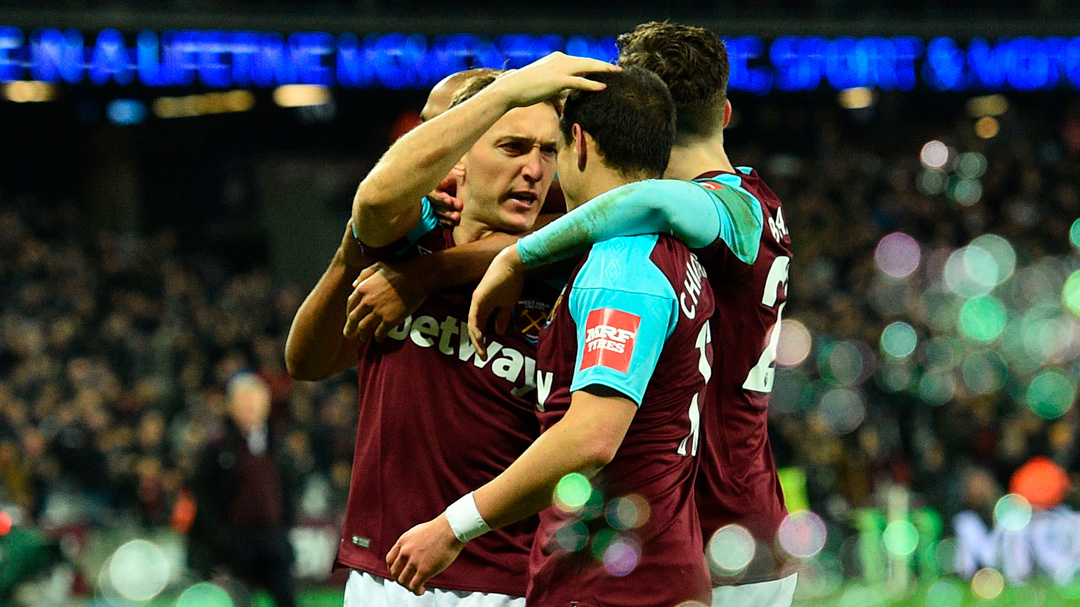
column 665, row 206
column 386, row 205
column 584, row 440
column 657, row 206
column 315, row 348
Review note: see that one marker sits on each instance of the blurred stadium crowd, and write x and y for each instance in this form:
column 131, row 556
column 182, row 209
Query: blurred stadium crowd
column 915, row 350
column 116, row 351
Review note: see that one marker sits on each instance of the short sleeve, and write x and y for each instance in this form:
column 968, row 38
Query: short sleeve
column 624, row 309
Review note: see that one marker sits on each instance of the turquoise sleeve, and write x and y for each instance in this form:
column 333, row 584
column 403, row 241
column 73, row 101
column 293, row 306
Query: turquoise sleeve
column 682, row 209
column 624, row 309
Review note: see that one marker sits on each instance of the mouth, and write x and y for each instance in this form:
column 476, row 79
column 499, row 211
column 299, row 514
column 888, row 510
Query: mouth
column 525, row 198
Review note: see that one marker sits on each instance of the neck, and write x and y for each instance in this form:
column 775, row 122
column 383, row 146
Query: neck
column 471, row 230
column 599, row 182
column 697, row 156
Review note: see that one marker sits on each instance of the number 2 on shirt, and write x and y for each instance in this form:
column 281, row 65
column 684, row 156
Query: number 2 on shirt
column 761, row 376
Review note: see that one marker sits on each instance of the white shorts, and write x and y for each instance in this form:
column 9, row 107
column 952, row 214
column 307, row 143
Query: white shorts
column 366, row 590
column 774, row 593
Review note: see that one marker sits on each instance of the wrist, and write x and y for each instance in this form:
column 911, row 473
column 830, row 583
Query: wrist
column 348, row 255
column 465, row 520
column 511, row 256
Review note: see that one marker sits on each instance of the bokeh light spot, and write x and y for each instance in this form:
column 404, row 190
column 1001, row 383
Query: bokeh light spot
column 898, row 340
column 944, row 594
column 970, row 272
column 897, row 255
column 966, row 192
column 731, row 549
column 1074, row 234
column 622, row 555
column 600, row 542
column 802, row 534
column 984, row 372
column 934, row 154
column 896, row 377
column 947, row 555
column 842, row 410
column 841, row 363
column 987, row 127
column 982, row 319
column 572, row 492
column 1041, row 482
column 1050, row 394
column 628, row 512
column 204, row 594
column 1070, row 293
column 795, row 343
column 932, row 182
column 5, row 523
column 937, row 387
column 572, row 536
column 1012, row 512
column 987, row 583
column 1000, row 250
column 139, row 570
column 943, row 353
column 818, row 577
column 971, row 165
column 900, row 538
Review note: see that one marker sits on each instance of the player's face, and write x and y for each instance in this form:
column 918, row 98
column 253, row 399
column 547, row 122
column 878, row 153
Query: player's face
column 509, row 170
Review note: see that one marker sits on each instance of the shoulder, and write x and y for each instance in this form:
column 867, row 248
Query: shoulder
column 624, row 264
column 739, row 198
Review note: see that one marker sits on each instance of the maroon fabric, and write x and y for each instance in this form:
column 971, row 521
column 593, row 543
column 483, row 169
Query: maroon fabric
column 256, row 504
column 671, row 568
column 436, row 422
column 737, row 482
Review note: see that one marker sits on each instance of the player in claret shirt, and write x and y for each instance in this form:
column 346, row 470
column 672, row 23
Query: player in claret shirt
column 435, row 420
column 735, row 225
column 622, row 365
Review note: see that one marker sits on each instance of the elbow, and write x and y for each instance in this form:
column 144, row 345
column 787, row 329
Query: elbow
column 364, row 202
column 599, row 450
column 299, row 363
column 294, row 364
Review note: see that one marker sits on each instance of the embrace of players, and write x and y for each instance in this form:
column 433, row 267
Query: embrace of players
column 586, row 452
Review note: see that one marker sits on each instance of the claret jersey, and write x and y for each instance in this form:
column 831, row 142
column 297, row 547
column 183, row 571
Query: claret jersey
column 436, row 421
column 735, row 225
column 737, row 483
column 634, row 318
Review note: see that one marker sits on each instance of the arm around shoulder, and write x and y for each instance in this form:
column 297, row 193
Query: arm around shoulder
column 316, row 348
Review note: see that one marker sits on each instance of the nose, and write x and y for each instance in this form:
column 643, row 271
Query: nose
column 534, row 165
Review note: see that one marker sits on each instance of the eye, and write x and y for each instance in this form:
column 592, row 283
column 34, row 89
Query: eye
column 549, row 150
column 514, row 148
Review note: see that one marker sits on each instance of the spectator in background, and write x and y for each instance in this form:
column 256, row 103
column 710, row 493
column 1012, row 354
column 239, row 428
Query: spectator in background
column 245, row 493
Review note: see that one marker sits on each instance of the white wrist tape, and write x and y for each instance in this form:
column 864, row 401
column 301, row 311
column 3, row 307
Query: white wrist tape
column 465, row 520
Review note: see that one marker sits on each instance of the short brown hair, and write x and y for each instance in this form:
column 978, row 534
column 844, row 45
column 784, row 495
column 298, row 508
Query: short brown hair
column 692, row 61
column 477, row 80
column 632, row 121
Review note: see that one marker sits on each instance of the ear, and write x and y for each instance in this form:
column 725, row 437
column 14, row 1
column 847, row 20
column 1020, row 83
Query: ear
column 581, row 151
column 727, row 112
